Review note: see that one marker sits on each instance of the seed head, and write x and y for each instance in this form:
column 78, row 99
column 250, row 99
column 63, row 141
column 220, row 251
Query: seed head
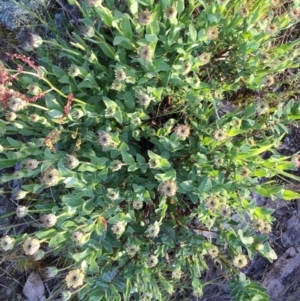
column 16, row 104
column 204, row 58
column 296, row 160
column 112, row 194
column 136, row 121
column 35, row 41
column 244, row 172
column 120, row 75
column 261, row 108
column 171, row 12
column 116, row 85
column 31, row 245
column 269, row 81
column 7, row 243
column 225, row 211
column 153, row 163
column 40, row 254
column 176, row 274
column 137, row 205
column 1, row 148
column 34, row 117
column 74, row 71
column 51, row 177
column 110, row 111
column 77, row 114
column 144, row 17
column 94, row 3
column 182, row 131
column 152, row 261
column 212, row 203
column 271, row 28
column 236, row 122
column 20, row 194
column 258, row 224
column 66, row 295
column 71, row 162
column 294, row 13
column 153, row 230
column 267, row 228
column 144, row 99
column 75, row 278
column 198, row 292
column 186, row 67
column 88, row 32
column 10, row 116
column 244, row 11
column 31, row 164
column 76, row 236
column 145, row 53
column 213, row 33
column 21, row 211
column 213, row 251
column 132, row 250
column 104, row 139
column 116, row 165
column 220, row 135
column 169, row 188
column 49, row 220
column 240, row 261
column 50, row 272
column 118, row 228
column 18, row 175
column 34, row 89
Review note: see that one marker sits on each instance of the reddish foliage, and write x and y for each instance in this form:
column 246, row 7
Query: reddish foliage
column 69, row 103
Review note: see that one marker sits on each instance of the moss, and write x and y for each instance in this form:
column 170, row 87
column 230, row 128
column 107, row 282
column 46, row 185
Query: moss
column 8, row 40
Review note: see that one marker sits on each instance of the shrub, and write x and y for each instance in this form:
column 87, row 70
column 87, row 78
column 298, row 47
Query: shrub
column 127, row 160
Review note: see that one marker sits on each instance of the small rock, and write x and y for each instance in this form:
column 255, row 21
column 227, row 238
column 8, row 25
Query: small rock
column 285, row 270
column 291, row 235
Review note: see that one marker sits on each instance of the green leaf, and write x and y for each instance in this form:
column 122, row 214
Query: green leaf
column 126, row 26
column 118, row 116
column 127, row 291
column 93, row 265
column 52, row 103
column 87, row 167
column 14, row 143
column 133, row 6
column 106, row 15
column 127, row 158
column 289, row 195
column 64, row 79
column 96, row 295
column 187, row 185
column 151, row 38
column 55, row 113
column 160, row 65
column 205, row 185
column 70, row 181
column 192, row 33
column 107, row 49
column 80, row 256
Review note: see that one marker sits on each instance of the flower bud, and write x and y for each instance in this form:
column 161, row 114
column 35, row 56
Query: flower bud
column 38, row 255
column 88, row 32
column 66, row 295
column 10, row 116
column 51, row 272
column 34, row 89
column 36, row 41
column 1, row 148
column 49, row 220
column 21, row 211
column 7, row 243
